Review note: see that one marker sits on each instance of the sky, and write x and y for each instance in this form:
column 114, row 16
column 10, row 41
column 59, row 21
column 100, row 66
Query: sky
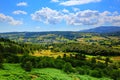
column 57, row 15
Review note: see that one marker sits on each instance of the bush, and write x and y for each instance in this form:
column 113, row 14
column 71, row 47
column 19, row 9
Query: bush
column 67, row 67
column 1, row 65
column 28, row 66
column 1, row 61
column 59, row 63
column 80, row 70
column 96, row 73
column 116, row 75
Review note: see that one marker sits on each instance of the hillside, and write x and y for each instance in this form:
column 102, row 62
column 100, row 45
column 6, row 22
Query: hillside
column 8, row 46
column 75, row 61
column 41, row 37
column 103, row 29
column 46, row 37
column 15, row 72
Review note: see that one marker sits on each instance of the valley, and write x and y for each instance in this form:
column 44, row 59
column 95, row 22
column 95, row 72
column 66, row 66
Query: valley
column 60, row 56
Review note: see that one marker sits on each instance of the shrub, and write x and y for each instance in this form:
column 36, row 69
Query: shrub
column 67, row 67
column 116, row 75
column 80, row 70
column 1, row 61
column 28, row 66
column 96, row 73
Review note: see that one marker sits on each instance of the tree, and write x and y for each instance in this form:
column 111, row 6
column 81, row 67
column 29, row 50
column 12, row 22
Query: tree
column 67, row 67
column 107, row 60
column 97, row 73
column 64, row 57
column 93, row 60
column 28, row 66
column 1, row 61
column 59, row 63
column 80, row 70
column 116, row 75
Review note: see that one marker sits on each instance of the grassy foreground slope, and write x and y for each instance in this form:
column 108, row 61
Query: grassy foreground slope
column 15, row 72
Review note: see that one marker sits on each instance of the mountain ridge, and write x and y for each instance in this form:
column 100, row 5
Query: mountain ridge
column 103, row 29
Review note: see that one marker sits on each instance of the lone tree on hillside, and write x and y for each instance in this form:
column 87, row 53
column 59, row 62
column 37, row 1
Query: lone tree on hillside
column 28, row 66
column 1, row 61
column 67, row 67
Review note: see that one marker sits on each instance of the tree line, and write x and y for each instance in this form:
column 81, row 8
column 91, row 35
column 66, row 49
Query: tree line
column 74, row 64
column 85, row 49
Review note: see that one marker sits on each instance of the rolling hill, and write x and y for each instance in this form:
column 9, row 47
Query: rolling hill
column 103, row 29
column 62, row 36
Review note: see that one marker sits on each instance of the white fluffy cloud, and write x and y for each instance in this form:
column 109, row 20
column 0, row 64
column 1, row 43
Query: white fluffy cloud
column 9, row 19
column 86, row 17
column 65, row 11
column 47, row 15
column 77, row 2
column 22, row 4
column 76, row 9
column 74, row 2
column 94, row 18
column 54, row 0
column 19, row 12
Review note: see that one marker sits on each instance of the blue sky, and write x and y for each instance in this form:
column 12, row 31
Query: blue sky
column 57, row 15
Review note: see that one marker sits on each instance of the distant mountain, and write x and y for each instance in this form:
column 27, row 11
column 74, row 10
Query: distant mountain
column 103, row 29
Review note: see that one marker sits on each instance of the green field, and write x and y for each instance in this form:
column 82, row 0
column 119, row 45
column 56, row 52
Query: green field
column 15, row 72
column 68, row 56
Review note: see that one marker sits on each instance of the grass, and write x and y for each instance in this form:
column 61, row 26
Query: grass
column 94, row 38
column 51, row 74
column 48, row 53
column 116, row 47
column 56, row 54
column 15, row 72
column 116, row 58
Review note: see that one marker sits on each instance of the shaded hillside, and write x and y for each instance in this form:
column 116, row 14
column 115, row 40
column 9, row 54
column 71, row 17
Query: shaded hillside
column 10, row 49
column 7, row 46
column 112, row 34
column 76, row 62
column 103, row 29
column 45, row 37
column 108, row 39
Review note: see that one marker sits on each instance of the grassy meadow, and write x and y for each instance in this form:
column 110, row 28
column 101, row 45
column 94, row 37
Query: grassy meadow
column 15, row 72
column 58, row 56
